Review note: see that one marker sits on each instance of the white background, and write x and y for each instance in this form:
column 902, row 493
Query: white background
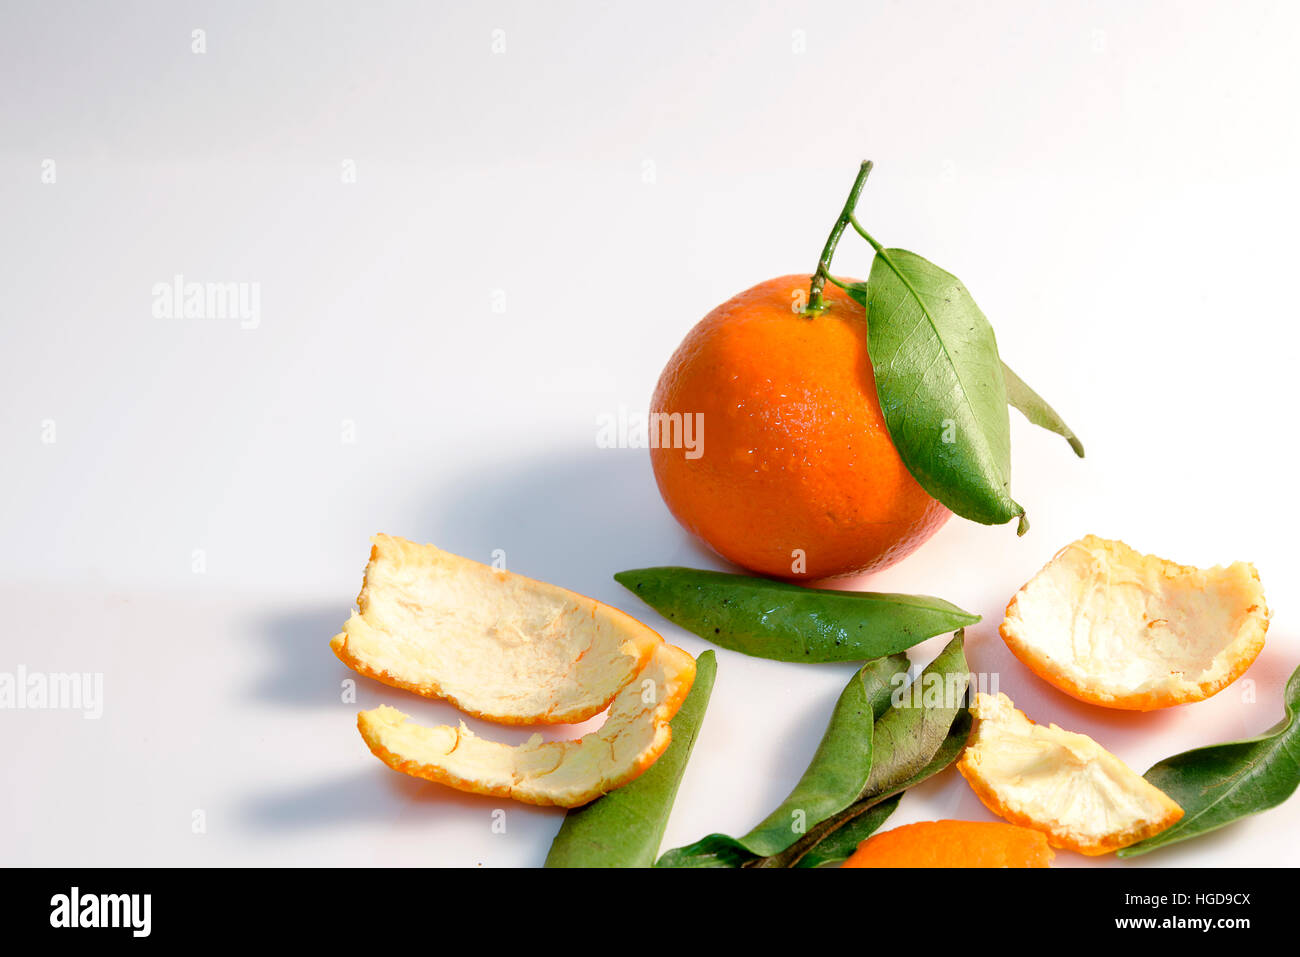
column 1115, row 182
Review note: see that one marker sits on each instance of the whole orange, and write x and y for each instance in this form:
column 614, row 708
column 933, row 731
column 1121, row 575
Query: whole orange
column 792, row 472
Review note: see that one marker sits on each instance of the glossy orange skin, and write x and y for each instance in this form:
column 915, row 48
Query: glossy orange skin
column 795, row 452
column 954, row 844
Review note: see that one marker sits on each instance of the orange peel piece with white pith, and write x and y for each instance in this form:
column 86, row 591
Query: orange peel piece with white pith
column 1113, row 627
column 1059, row 782
column 563, row 773
column 495, row 644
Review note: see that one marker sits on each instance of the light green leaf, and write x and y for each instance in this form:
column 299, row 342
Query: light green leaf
column 625, row 827
column 1036, row 409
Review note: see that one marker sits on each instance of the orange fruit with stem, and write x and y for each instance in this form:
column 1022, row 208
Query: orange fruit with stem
column 954, row 844
column 796, row 475
column 824, row 435
column 792, row 472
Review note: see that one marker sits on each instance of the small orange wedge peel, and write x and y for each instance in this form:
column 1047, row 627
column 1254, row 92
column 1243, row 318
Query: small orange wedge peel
column 563, row 773
column 1113, row 627
column 954, row 844
column 1059, row 782
column 495, row 644
column 516, row 651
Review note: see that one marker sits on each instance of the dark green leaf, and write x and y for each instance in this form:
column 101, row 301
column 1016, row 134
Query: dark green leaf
column 861, row 821
column 716, row 850
column 788, row 622
column 918, row 737
column 840, row 769
column 919, row 734
column 940, row 384
column 1036, row 409
column 835, row 777
column 1225, row 782
column 624, row 828
column 838, row 845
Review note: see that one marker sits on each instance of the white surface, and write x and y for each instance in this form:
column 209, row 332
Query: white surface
column 1115, row 182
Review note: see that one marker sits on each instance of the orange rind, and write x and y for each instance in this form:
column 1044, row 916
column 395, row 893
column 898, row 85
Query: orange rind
column 954, row 844
column 495, row 644
column 563, row 773
column 1113, row 627
column 1059, row 782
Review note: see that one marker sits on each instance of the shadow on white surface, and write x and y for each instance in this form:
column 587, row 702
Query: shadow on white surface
column 373, row 793
column 304, row 672
column 573, row 519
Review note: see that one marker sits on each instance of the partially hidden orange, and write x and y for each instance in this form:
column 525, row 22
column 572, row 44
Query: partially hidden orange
column 793, row 473
column 954, row 844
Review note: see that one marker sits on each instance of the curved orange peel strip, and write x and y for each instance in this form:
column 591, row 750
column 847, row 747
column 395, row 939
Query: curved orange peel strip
column 495, row 644
column 563, row 773
column 1113, row 627
column 1059, row 782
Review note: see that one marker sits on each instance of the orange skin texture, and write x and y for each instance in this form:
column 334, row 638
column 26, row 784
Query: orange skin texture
column 645, row 760
column 795, row 451
column 472, row 786
column 645, row 648
column 1248, row 649
column 1058, row 677
column 954, row 844
column 993, row 801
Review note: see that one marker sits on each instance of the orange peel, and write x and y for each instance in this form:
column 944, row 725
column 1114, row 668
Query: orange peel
column 563, row 773
column 954, row 844
column 1113, row 627
column 1059, row 782
column 495, row 644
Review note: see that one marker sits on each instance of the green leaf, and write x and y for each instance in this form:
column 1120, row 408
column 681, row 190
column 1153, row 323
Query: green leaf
column 1036, row 409
column 917, row 736
column 840, row 769
column 861, row 821
column 838, row 845
column 912, row 732
column 1226, row 782
column 715, row 850
column 625, row 827
column 833, row 780
column 786, row 622
column 940, row 384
